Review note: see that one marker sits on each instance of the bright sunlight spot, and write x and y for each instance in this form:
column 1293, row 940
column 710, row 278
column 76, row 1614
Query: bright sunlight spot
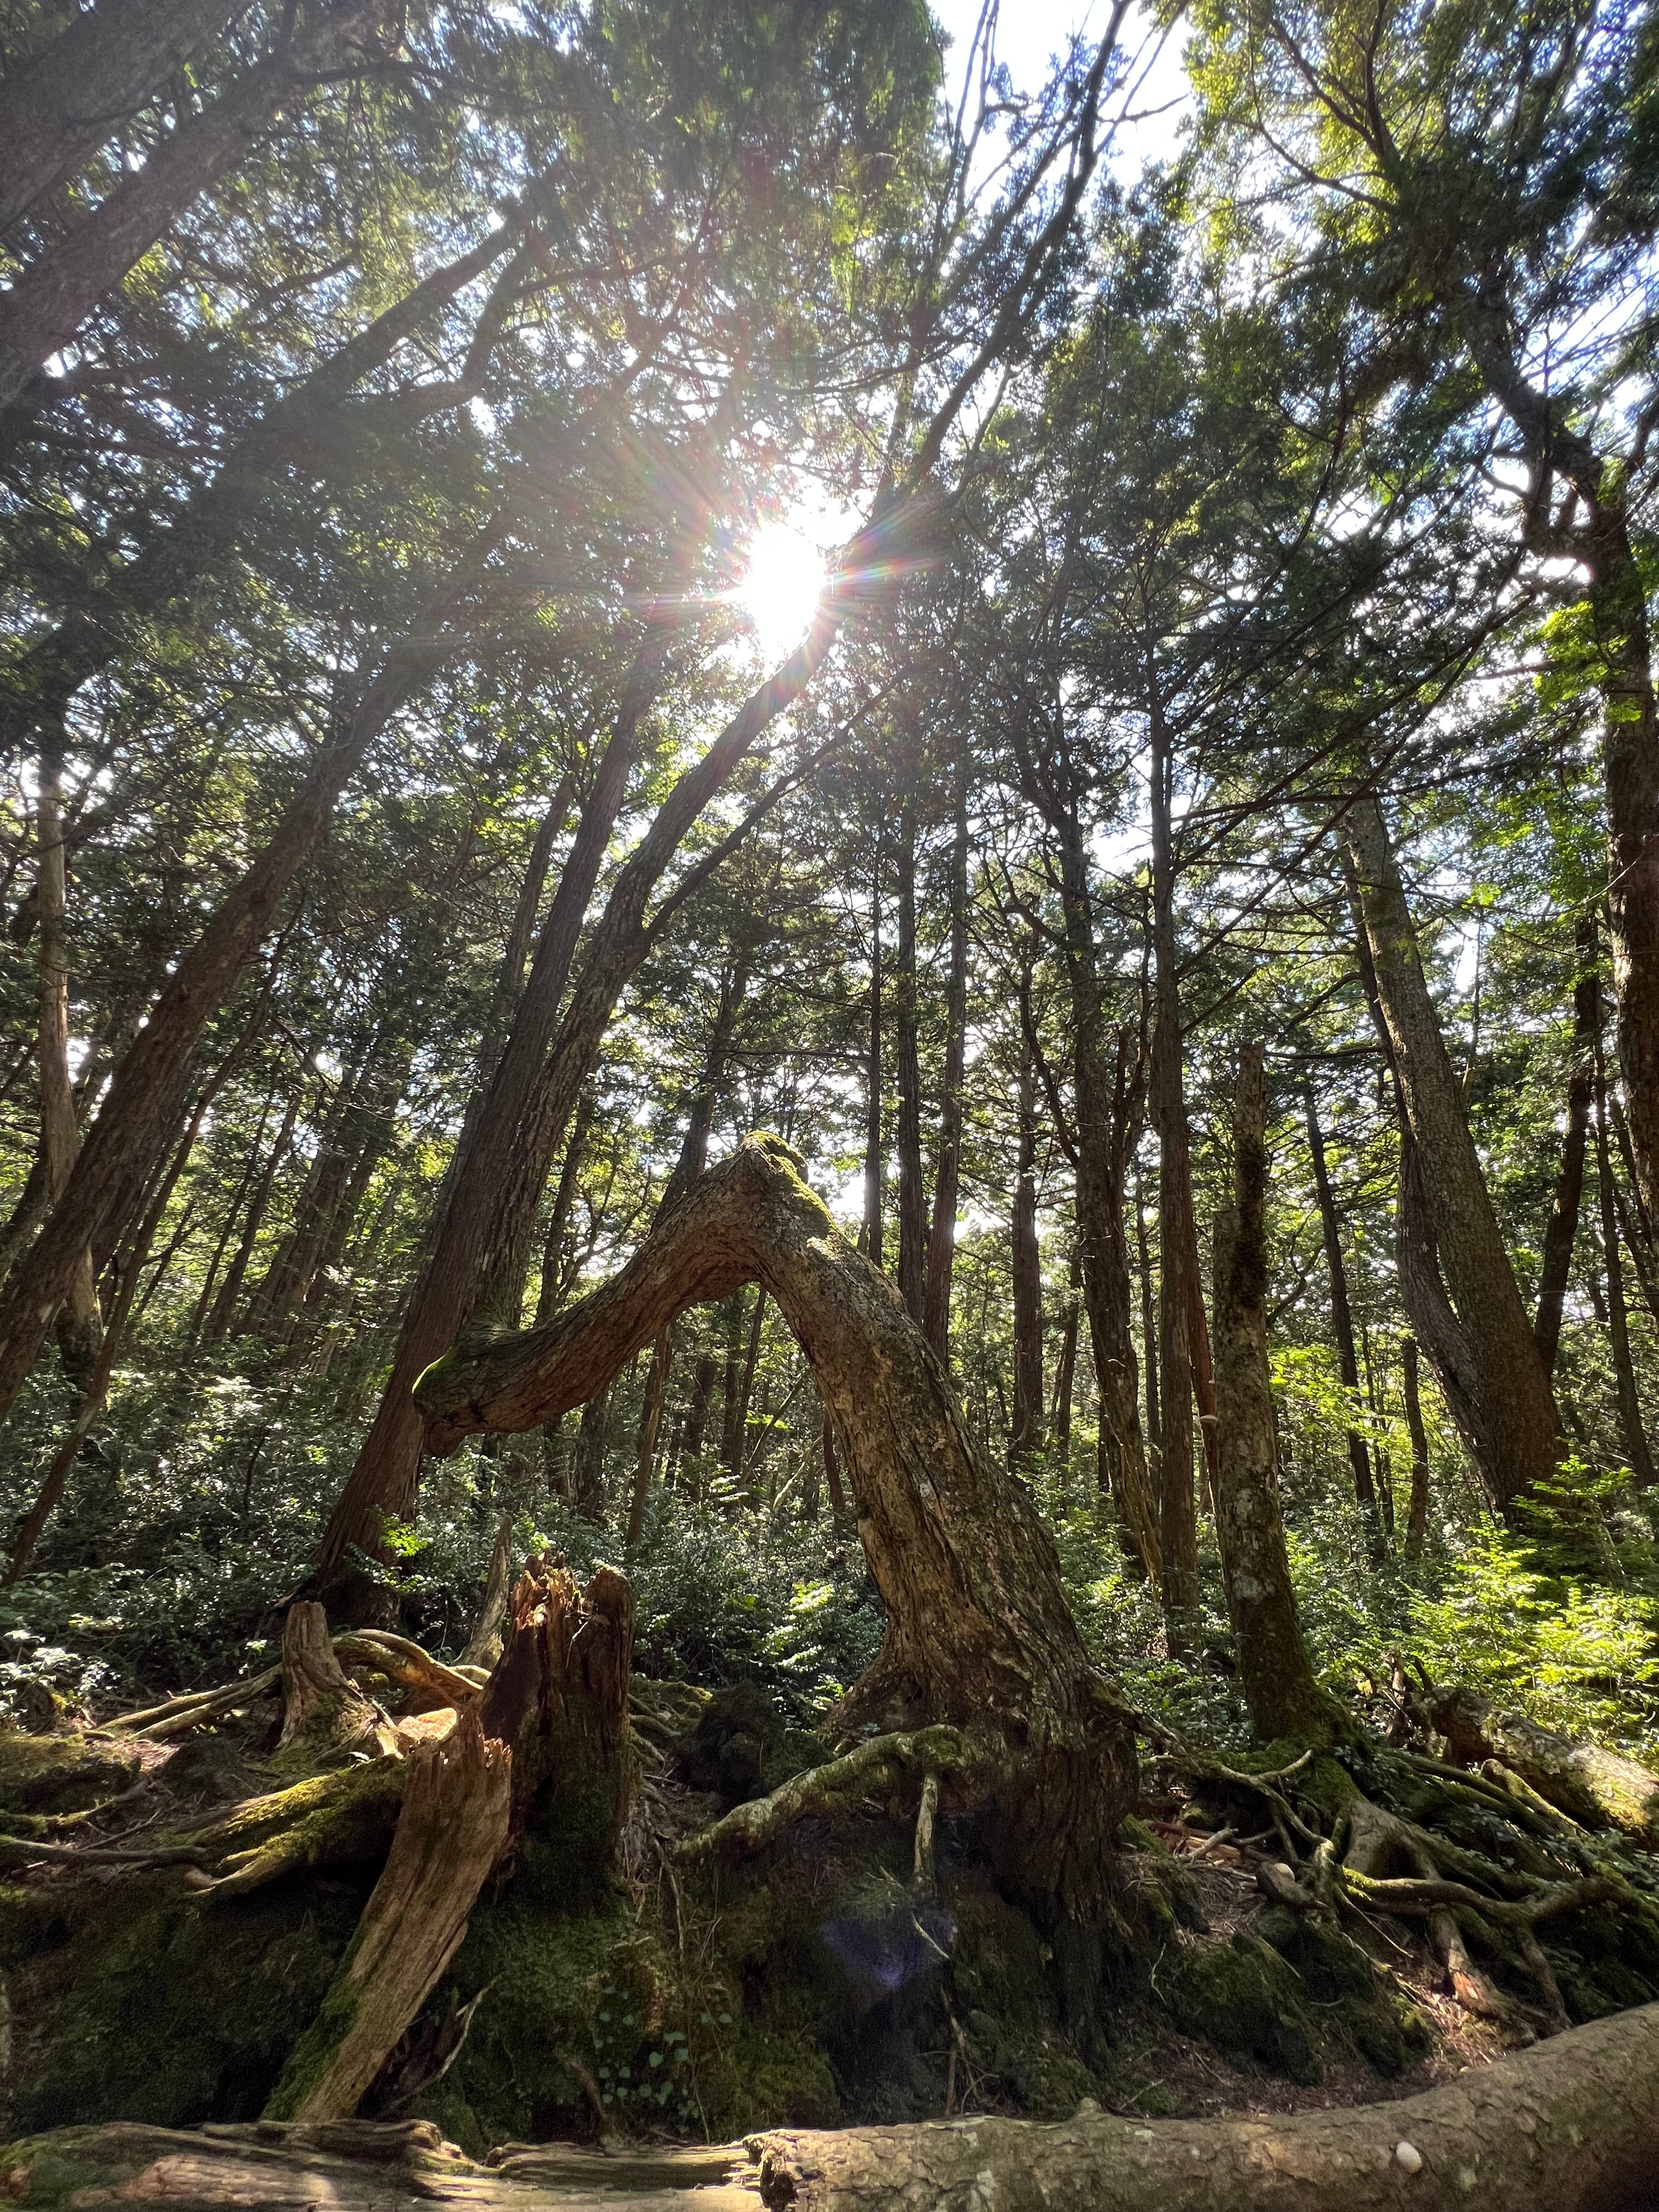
column 780, row 588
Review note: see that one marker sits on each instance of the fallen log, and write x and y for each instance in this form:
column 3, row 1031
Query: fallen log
column 1572, row 2125
column 1598, row 1788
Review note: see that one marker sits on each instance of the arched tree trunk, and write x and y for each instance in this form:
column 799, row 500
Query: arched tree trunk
column 980, row 1635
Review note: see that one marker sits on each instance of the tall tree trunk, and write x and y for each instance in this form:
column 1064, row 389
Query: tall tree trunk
column 587, row 1485
column 1365, row 1489
column 60, row 105
column 1631, row 1431
column 1177, row 1234
column 875, row 1150
column 1107, row 1114
column 1025, row 1436
column 141, row 1109
column 1274, row 1672
column 947, row 1174
column 1417, row 1519
column 737, row 1431
column 912, row 1197
column 224, row 1306
column 553, row 1285
column 1562, row 1227
column 980, row 1637
column 79, row 1325
column 1148, row 1320
column 1514, row 1392
column 51, row 297
column 656, row 1393
column 1065, row 1363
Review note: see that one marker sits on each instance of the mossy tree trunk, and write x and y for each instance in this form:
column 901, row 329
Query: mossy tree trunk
column 1273, row 1661
column 980, row 1635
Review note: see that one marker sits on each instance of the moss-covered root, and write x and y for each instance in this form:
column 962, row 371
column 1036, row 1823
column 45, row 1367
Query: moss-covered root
column 1598, row 1788
column 449, row 1833
column 332, row 1819
column 835, row 1787
column 1573, row 2124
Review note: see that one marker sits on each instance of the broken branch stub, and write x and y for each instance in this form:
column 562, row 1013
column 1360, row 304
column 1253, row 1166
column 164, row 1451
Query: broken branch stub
column 980, row 1635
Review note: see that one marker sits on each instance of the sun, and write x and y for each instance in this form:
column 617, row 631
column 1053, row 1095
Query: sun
column 781, row 587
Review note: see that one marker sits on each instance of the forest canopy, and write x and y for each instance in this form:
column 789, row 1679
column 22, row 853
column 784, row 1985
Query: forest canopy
column 842, row 865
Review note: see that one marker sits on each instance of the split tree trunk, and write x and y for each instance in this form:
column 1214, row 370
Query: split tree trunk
column 980, row 1635
column 1275, row 1675
column 1516, row 1407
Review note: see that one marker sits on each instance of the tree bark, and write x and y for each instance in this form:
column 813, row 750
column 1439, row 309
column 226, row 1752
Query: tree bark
column 1417, row 1519
column 1515, row 1406
column 1633, row 1432
column 1065, row 1363
column 79, row 1322
column 450, row 1833
column 1598, row 1788
column 1274, row 1674
column 1026, row 1438
column 1365, row 1490
column 1571, row 2124
column 979, row 1634
column 1176, row 1234
column 875, row 1150
column 1562, row 1227
column 912, row 1197
column 59, row 105
column 1108, row 1096
column 51, row 297
column 947, row 1170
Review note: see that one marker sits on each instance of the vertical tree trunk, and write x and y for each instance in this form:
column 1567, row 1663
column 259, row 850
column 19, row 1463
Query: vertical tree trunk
column 656, row 1392
column 1562, row 1227
column 738, row 1433
column 941, row 1243
column 1176, row 1239
column 61, row 104
column 875, row 1150
column 1417, row 1520
column 1273, row 1671
column 553, row 1286
column 1107, row 1110
column 1515, row 1398
column 1025, row 1436
column 1065, row 1363
column 1365, row 1490
column 1148, row 1320
column 587, row 1488
column 79, row 1325
column 912, row 1197
column 1631, row 1431
column 224, row 1306
column 697, row 1422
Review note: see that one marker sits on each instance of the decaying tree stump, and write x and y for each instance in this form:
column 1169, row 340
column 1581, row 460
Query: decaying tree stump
column 558, row 1694
column 980, row 1636
column 1571, row 2126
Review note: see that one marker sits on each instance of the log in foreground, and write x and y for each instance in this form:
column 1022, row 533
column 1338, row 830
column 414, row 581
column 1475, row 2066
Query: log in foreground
column 980, row 1635
column 1572, row 2125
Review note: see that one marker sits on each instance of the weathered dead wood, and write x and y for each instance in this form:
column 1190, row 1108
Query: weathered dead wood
column 558, row 1694
column 1598, row 1788
column 1572, row 2125
column 980, row 1634
column 449, row 1833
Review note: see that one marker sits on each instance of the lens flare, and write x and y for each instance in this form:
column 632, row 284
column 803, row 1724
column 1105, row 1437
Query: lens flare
column 780, row 588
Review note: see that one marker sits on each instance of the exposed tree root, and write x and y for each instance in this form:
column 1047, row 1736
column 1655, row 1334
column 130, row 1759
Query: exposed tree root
column 835, row 1787
column 1595, row 1787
